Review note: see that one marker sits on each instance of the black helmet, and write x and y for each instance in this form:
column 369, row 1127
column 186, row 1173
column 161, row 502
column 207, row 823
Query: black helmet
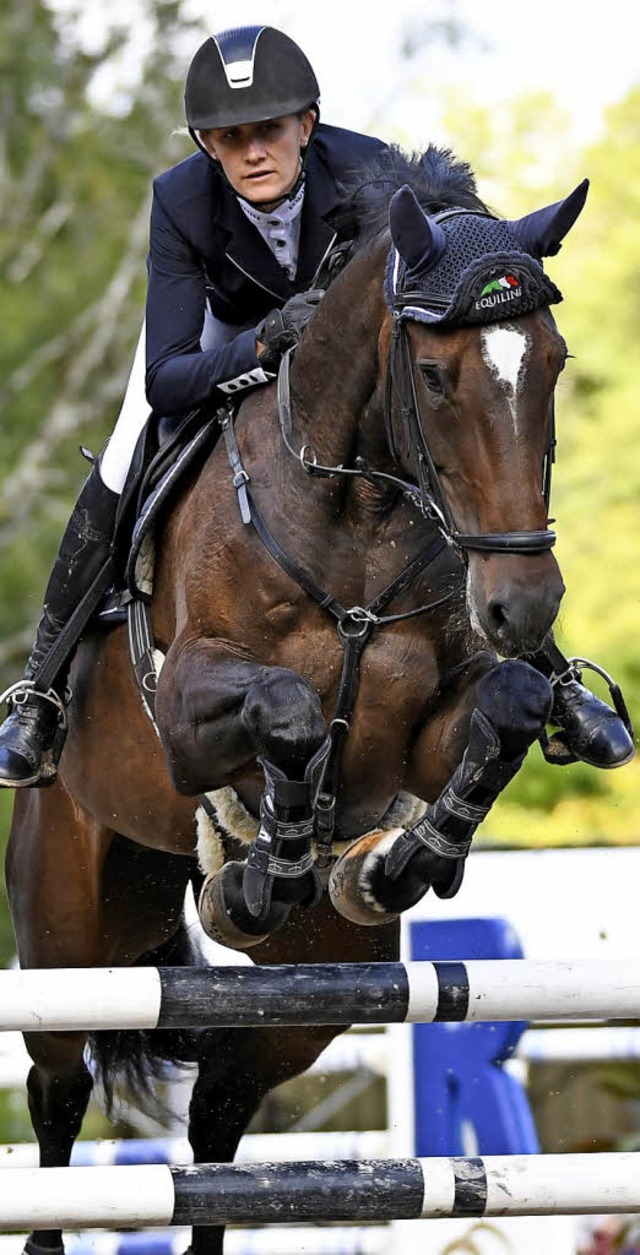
column 247, row 75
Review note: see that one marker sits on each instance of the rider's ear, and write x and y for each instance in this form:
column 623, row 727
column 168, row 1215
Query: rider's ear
column 542, row 232
column 418, row 239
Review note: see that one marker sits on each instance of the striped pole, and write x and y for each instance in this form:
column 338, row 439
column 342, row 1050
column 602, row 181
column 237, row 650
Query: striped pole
column 351, row 1190
column 324, row 993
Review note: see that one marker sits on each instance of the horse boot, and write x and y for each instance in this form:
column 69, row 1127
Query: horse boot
column 590, row 730
column 33, row 734
column 513, row 706
column 245, row 902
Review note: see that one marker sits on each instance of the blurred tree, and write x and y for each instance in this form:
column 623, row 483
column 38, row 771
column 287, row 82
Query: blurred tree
column 75, row 200
column 517, row 155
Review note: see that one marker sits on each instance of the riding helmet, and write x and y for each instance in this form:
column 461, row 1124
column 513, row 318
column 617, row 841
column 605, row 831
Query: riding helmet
column 248, row 74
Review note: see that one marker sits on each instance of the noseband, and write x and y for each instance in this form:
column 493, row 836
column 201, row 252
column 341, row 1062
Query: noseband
column 401, row 384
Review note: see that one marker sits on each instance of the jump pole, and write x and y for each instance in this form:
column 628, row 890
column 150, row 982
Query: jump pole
column 364, row 993
column 347, row 1190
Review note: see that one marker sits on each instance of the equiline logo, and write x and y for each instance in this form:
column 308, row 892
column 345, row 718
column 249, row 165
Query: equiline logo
column 498, row 291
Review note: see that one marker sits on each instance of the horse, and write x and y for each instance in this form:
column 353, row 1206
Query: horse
column 335, row 582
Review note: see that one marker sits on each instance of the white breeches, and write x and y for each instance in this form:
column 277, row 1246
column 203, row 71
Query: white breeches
column 116, row 459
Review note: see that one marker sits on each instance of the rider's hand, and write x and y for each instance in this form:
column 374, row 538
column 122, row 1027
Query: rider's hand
column 282, row 328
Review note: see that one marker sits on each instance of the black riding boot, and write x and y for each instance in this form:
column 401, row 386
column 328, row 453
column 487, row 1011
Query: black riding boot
column 32, row 735
column 588, row 728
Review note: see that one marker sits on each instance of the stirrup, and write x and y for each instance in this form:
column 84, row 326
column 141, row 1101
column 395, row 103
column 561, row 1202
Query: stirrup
column 576, row 665
column 18, row 694
column 555, row 749
column 46, row 753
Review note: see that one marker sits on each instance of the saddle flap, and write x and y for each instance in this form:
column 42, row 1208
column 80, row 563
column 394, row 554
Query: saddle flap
column 162, row 477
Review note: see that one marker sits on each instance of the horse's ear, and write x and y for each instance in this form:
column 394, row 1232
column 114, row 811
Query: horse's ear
column 418, row 239
column 541, row 233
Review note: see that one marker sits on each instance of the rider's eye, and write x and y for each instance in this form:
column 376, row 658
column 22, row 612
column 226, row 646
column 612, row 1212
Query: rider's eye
column 433, row 378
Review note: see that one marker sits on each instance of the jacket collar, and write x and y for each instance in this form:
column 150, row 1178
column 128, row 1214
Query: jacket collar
column 247, row 250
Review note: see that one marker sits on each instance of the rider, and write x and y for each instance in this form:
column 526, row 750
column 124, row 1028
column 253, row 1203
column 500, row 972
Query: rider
column 238, row 232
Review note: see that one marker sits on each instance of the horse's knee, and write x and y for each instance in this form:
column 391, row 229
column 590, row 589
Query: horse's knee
column 517, row 701
column 282, row 713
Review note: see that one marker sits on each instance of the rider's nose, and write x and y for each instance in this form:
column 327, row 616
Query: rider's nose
column 255, row 150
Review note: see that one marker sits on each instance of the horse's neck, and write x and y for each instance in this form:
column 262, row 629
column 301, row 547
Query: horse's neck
column 336, row 390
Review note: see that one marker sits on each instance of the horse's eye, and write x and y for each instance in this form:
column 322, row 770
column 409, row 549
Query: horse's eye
column 433, row 378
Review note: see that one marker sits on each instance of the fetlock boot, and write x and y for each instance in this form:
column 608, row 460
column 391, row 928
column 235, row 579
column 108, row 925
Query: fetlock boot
column 32, row 736
column 245, row 902
column 589, row 729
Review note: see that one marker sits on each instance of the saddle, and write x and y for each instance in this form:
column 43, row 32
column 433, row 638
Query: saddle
column 165, row 454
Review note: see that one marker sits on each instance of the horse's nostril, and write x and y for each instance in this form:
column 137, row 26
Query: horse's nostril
column 498, row 615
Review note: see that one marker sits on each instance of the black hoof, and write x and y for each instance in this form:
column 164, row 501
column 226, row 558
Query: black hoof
column 33, row 1247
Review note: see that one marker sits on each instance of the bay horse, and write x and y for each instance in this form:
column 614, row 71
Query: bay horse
column 337, row 774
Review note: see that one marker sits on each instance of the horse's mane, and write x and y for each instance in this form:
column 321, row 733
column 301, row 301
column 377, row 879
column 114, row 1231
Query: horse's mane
column 437, row 178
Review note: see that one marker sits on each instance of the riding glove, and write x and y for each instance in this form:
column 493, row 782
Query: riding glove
column 282, row 328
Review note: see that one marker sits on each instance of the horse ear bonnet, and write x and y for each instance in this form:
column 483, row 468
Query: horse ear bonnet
column 459, row 267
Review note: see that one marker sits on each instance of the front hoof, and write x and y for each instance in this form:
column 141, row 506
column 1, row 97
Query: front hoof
column 352, row 877
column 224, row 914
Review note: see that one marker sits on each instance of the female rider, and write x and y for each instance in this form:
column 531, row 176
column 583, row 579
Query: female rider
column 238, row 232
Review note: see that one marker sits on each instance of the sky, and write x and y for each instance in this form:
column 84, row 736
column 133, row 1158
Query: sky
column 587, row 55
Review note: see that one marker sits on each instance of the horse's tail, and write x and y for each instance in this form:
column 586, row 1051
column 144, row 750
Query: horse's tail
column 135, row 1065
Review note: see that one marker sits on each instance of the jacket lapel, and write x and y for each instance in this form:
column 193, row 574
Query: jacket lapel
column 247, row 250
column 316, row 235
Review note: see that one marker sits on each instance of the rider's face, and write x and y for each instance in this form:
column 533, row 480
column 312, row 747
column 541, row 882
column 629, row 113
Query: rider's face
column 261, row 159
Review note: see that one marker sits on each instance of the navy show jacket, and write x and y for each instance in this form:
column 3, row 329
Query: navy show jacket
column 204, row 248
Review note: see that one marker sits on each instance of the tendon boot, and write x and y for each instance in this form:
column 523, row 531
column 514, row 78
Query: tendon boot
column 589, row 729
column 374, row 886
column 33, row 734
column 494, row 755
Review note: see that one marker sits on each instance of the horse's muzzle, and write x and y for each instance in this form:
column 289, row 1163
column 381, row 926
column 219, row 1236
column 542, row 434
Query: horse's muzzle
column 513, row 600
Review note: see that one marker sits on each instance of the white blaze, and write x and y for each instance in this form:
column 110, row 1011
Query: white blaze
column 504, row 349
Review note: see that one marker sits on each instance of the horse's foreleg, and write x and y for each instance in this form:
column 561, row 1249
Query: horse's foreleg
column 216, row 716
column 380, row 876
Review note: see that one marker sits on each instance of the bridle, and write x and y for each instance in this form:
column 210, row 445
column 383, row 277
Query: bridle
column 400, row 385
column 426, row 492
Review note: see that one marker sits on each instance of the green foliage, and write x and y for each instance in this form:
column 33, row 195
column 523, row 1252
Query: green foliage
column 596, row 496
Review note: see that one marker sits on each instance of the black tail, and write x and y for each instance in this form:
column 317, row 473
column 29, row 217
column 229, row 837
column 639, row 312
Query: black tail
column 134, row 1064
